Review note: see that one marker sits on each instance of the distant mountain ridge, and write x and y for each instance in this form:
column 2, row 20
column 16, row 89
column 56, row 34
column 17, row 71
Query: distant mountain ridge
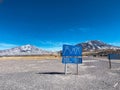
column 96, row 45
column 24, row 50
column 93, row 45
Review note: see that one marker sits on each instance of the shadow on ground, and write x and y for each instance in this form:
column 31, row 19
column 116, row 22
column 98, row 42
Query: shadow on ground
column 51, row 73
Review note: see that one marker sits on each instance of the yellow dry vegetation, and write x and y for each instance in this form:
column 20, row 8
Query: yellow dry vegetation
column 48, row 57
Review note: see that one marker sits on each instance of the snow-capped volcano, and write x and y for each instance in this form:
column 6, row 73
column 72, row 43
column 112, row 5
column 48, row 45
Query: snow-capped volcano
column 24, row 50
column 96, row 45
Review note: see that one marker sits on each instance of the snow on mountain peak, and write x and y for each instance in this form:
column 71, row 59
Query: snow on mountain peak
column 24, row 50
column 26, row 47
column 96, row 45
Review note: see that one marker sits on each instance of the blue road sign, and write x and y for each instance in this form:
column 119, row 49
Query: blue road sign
column 72, row 54
column 69, row 50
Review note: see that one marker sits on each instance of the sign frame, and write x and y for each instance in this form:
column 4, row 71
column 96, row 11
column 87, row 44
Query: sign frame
column 71, row 54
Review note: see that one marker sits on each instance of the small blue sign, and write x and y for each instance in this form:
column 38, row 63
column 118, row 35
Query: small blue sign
column 71, row 60
column 114, row 56
column 72, row 54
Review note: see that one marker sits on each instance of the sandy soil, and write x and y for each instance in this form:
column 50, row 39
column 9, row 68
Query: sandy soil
column 49, row 75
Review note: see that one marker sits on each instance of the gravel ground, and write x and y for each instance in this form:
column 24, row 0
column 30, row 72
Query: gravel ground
column 49, row 75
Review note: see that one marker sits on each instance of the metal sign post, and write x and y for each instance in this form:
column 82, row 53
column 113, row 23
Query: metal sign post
column 109, row 64
column 65, row 68
column 71, row 54
column 77, row 68
column 109, row 61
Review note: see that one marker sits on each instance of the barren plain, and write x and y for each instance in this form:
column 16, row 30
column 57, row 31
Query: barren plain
column 48, row 74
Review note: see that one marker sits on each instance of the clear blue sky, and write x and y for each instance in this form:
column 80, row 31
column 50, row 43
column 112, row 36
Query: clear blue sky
column 50, row 23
